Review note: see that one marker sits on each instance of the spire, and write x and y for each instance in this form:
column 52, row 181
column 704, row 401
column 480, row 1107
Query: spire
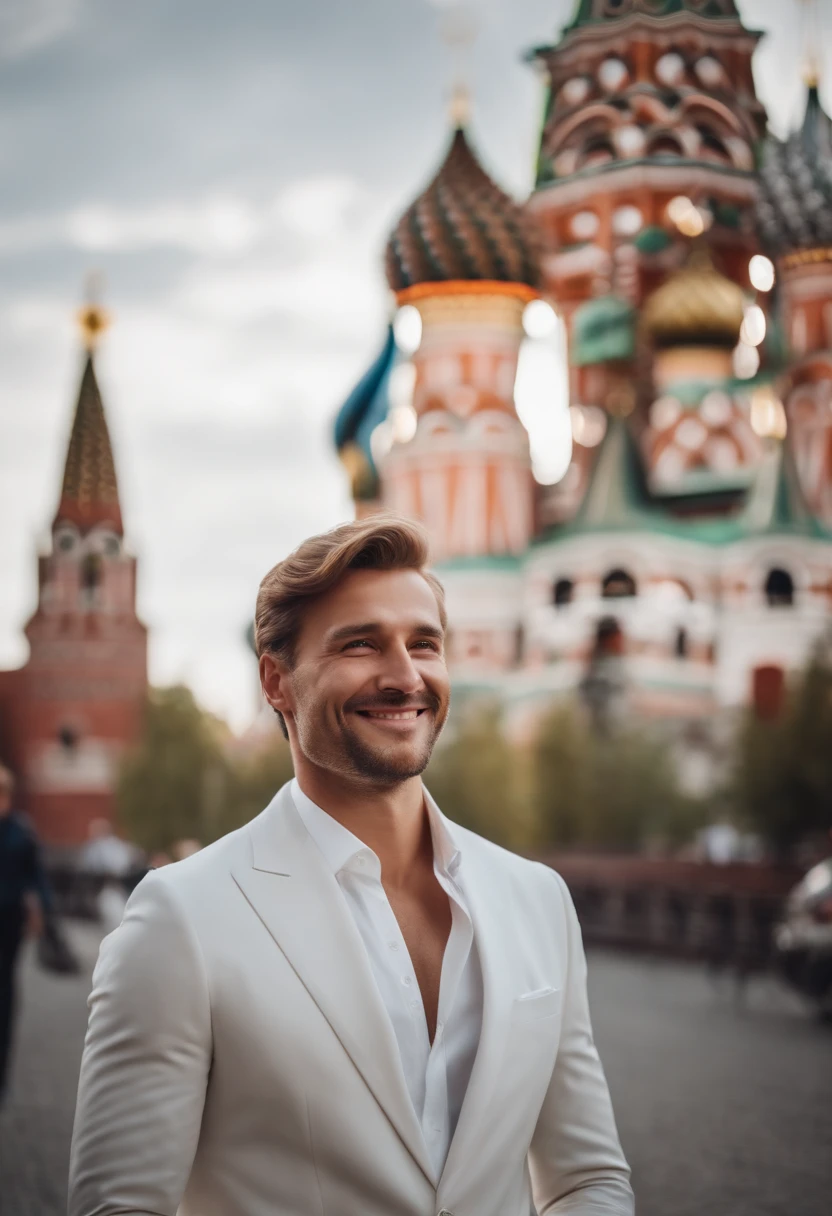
column 89, row 493
column 615, row 498
column 811, row 46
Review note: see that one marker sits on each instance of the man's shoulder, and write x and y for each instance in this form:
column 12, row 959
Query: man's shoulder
column 504, row 865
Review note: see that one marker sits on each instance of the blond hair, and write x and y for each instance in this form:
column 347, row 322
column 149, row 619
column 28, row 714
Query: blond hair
column 380, row 542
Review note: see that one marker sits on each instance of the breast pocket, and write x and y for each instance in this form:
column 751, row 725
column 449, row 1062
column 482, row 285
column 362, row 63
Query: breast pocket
column 533, row 1006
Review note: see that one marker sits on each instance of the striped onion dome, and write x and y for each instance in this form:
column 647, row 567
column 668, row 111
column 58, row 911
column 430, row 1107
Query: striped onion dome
column 463, row 227
column 795, row 207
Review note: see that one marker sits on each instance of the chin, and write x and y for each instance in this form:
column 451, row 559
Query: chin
column 389, row 764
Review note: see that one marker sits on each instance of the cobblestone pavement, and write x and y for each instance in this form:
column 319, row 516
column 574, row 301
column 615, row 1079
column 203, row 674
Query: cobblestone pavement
column 724, row 1108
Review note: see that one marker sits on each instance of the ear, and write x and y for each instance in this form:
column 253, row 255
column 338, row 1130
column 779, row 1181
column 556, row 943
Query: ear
column 275, row 682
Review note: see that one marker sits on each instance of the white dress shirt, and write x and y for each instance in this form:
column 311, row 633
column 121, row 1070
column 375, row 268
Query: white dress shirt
column 437, row 1074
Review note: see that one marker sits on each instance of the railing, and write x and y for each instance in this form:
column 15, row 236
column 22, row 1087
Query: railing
column 723, row 914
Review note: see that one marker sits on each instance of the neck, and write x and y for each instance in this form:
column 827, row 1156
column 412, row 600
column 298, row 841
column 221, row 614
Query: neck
column 389, row 819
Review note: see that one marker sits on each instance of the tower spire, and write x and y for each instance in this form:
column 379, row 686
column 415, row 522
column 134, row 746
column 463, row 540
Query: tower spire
column 89, row 491
column 458, row 27
column 811, row 44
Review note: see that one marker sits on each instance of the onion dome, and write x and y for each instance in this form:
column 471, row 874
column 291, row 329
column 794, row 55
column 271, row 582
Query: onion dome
column 697, row 306
column 463, row 227
column 590, row 12
column 603, row 331
column 366, row 406
column 89, row 492
column 795, row 207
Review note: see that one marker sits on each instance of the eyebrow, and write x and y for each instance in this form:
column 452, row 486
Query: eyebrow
column 423, row 628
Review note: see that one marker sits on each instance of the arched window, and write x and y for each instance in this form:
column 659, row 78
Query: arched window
column 617, row 585
column 91, row 572
column 609, row 639
column 68, row 738
column 779, row 588
column 562, row 592
column 598, row 151
column 681, row 645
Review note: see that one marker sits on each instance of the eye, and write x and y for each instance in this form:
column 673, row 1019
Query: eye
column 362, row 642
column 426, row 644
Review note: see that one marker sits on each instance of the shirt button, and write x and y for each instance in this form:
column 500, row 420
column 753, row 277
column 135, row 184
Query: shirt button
column 406, row 980
column 393, row 945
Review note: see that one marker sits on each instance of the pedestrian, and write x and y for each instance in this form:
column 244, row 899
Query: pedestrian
column 25, row 902
column 350, row 1003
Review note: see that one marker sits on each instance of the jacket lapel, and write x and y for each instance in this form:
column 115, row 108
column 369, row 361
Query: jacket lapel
column 297, row 897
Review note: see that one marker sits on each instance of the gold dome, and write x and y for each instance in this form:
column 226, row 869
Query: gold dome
column 697, row 306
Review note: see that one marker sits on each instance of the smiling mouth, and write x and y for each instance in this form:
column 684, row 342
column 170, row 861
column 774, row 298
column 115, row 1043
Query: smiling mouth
column 394, row 715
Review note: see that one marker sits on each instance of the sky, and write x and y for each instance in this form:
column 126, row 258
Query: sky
column 232, row 171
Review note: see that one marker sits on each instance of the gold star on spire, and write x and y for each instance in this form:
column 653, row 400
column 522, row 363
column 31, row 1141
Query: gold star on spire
column 812, row 44
column 93, row 320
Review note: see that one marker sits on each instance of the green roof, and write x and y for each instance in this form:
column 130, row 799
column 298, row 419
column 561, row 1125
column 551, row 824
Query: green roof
column 603, row 331
column 486, row 561
column 617, row 499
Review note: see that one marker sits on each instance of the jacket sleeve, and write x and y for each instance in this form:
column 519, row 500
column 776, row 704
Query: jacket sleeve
column 145, row 1065
column 576, row 1162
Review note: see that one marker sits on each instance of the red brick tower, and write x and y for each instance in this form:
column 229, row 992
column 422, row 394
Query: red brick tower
column 67, row 715
column 649, row 140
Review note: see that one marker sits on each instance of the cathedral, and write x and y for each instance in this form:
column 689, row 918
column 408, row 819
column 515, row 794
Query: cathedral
column 682, row 565
column 68, row 714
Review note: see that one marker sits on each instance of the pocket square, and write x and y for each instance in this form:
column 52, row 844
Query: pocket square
column 530, row 996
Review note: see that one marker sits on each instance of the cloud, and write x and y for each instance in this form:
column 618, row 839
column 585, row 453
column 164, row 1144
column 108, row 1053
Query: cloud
column 28, row 25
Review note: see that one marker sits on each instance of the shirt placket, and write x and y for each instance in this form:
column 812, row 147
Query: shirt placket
column 435, row 1121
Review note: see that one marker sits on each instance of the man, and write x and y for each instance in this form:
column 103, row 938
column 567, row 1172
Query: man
column 351, row 1006
column 24, row 902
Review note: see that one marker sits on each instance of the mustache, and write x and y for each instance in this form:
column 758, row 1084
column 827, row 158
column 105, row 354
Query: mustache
column 395, row 700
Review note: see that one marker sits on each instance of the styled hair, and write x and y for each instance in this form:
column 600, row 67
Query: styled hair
column 379, row 542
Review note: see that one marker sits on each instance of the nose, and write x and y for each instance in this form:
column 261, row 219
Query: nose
column 398, row 671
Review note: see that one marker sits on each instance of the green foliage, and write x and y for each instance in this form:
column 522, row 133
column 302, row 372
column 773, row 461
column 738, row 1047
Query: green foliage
column 567, row 789
column 476, row 779
column 617, row 792
column 182, row 781
column 782, row 781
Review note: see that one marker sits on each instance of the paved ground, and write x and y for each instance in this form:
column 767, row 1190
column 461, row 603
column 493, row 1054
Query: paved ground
column 724, row 1109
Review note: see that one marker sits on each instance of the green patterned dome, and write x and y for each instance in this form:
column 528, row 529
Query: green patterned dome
column 589, row 12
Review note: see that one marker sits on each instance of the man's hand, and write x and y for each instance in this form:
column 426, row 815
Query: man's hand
column 34, row 917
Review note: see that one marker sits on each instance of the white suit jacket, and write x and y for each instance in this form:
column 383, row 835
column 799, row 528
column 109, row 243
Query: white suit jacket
column 239, row 1060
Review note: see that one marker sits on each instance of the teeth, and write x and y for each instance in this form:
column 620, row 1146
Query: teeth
column 398, row 717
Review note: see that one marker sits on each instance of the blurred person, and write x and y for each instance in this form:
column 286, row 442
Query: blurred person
column 25, row 902
column 105, row 854
column 185, row 848
column 350, row 1004
column 109, row 862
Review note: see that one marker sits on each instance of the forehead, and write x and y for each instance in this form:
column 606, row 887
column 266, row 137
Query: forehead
column 389, row 598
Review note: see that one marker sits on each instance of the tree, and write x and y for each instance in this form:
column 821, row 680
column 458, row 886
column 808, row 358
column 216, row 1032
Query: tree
column 782, row 779
column 476, row 778
column 183, row 780
column 614, row 791
column 172, row 784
